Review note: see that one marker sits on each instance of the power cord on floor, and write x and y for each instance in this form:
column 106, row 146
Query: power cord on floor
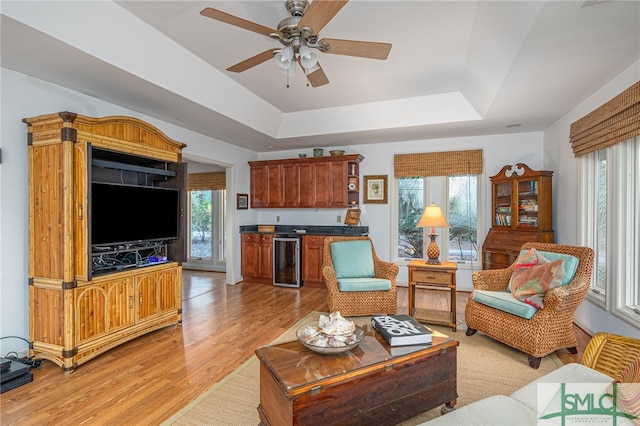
column 27, row 360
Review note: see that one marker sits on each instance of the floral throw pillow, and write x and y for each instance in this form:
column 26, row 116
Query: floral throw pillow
column 533, row 276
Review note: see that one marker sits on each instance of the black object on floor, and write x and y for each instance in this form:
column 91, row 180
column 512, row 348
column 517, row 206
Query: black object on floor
column 14, row 375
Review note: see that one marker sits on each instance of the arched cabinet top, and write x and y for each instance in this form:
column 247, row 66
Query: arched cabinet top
column 120, row 133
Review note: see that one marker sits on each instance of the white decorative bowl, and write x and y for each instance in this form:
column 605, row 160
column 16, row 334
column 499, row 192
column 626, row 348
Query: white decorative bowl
column 350, row 341
column 336, row 152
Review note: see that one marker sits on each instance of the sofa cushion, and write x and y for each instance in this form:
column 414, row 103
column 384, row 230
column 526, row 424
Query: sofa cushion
column 494, row 410
column 352, row 259
column 530, row 284
column 505, row 301
column 569, row 373
column 364, row 284
column 570, row 263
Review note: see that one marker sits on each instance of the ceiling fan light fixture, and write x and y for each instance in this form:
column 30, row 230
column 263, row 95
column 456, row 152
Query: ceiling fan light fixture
column 308, row 58
column 284, row 57
column 290, row 71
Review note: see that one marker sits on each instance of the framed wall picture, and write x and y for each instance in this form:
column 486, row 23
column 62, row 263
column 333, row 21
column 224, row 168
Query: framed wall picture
column 352, row 217
column 375, row 189
column 242, row 201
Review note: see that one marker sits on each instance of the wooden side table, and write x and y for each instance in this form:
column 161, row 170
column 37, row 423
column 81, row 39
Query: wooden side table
column 440, row 276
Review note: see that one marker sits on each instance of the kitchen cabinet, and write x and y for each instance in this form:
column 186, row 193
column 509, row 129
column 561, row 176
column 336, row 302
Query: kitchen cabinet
column 257, row 256
column 317, row 182
column 522, row 212
column 266, row 186
column 312, row 258
column 295, row 181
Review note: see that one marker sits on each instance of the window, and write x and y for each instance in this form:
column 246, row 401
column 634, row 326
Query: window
column 207, row 240
column 609, row 185
column 463, row 218
column 459, row 242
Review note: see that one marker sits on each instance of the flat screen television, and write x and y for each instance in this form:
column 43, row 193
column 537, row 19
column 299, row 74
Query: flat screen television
column 129, row 214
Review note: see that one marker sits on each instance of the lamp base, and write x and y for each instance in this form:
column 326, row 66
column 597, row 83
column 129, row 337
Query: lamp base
column 433, row 251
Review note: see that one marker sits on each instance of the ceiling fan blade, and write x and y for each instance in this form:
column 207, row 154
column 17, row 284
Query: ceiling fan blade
column 363, row 49
column 219, row 15
column 319, row 13
column 318, row 77
column 252, row 61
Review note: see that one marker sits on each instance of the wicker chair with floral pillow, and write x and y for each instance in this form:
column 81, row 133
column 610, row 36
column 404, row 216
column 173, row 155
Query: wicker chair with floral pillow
column 358, row 282
column 534, row 330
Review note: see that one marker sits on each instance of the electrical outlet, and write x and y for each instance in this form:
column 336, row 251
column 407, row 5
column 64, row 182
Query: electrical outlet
column 277, row 218
column 339, row 219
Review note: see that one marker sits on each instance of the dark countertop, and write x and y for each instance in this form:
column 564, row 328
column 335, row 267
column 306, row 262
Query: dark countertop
column 290, row 230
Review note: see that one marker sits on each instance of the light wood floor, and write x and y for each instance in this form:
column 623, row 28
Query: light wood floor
column 148, row 379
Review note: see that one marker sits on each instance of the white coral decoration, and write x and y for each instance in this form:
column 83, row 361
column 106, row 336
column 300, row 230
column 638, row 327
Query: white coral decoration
column 335, row 324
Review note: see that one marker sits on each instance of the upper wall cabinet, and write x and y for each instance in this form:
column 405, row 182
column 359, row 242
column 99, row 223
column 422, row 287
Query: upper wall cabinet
column 315, row 182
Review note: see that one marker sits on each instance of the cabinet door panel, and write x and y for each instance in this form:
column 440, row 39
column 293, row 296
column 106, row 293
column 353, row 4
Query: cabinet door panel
column 312, row 251
column 258, row 186
column 91, row 313
column 250, row 255
column 147, row 295
column 120, row 303
column 306, row 186
column 291, row 185
column 274, row 189
column 339, row 184
column 81, row 210
column 323, row 182
column 168, row 290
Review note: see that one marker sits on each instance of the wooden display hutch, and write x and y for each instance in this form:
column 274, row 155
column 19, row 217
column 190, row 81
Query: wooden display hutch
column 522, row 212
column 85, row 299
column 317, row 182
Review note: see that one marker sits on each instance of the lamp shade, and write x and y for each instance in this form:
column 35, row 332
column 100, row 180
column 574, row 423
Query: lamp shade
column 308, row 59
column 432, row 217
column 284, row 57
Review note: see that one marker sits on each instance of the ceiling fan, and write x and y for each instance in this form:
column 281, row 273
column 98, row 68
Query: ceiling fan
column 298, row 35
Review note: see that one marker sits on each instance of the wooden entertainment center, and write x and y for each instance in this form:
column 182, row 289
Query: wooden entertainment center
column 86, row 298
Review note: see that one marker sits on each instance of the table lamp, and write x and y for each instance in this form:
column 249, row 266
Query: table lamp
column 433, row 217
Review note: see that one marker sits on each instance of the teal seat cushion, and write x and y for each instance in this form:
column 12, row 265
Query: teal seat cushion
column 570, row 263
column 505, row 301
column 364, row 284
column 352, row 259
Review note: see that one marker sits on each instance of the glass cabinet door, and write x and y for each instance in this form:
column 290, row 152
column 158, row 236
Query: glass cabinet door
column 503, row 204
column 528, row 203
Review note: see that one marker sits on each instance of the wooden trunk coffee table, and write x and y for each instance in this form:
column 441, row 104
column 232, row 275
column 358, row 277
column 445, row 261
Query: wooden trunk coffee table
column 371, row 384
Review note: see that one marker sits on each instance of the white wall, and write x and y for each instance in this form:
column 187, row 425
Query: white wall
column 24, row 96
column 559, row 156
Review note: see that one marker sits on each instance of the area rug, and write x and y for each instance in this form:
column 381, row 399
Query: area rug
column 485, row 368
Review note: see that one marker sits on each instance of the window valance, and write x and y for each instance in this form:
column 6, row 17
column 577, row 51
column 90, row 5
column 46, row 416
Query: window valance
column 447, row 163
column 616, row 121
column 206, row 181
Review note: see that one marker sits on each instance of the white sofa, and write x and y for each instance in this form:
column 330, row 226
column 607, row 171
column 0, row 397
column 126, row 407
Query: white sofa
column 519, row 408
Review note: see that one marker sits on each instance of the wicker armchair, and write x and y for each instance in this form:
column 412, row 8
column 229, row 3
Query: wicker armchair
column 357, row 303
column 550, row 328
column 614, row 355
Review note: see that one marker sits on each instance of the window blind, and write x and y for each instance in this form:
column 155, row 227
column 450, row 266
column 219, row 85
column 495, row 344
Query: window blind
column 447, row 163
column 616, row 121
column 206, row 181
